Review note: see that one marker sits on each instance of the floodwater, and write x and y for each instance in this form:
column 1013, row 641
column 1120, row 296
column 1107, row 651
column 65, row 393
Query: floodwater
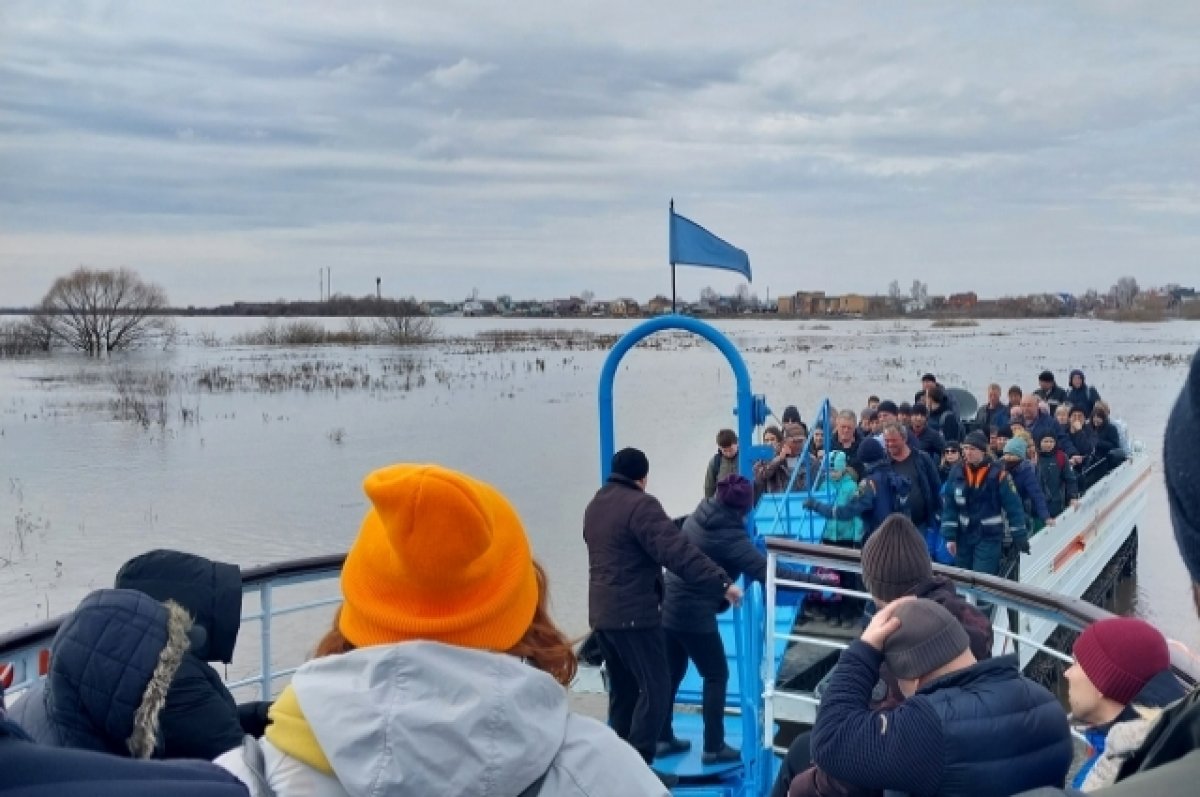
column 261, row 451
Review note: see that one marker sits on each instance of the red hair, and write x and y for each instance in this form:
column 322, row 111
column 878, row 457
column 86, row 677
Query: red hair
column 543, row 645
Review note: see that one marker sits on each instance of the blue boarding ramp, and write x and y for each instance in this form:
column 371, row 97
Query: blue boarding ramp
column 742, row 630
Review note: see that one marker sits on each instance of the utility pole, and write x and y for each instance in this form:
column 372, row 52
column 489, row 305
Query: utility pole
column 378, row 289
column 320, row 284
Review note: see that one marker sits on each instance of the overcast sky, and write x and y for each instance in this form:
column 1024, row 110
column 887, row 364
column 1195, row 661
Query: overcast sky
column 228, row 150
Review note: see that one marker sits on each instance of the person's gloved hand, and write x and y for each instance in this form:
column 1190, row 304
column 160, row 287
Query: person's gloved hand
column 1023, row 546
column 253, row 717
column 810, row 503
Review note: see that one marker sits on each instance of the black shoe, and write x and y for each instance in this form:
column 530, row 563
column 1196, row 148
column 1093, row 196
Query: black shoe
column 668, row 780
column 726, row 755
column 672, row 747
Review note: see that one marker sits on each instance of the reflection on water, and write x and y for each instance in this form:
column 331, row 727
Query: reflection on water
column 259, row 453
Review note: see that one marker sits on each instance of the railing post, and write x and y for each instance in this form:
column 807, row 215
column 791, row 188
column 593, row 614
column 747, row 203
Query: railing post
column 768, row 659
column 264, row 603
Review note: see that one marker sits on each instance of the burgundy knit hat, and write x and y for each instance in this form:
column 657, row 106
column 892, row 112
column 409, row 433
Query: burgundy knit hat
column 1120, row 656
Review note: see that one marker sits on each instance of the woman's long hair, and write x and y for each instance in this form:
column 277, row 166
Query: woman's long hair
column 543, row 645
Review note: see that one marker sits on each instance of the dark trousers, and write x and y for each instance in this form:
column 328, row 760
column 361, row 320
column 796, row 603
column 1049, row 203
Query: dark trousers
column 708, row 651
column 981, row 554
column 639, row 685
column 798, row 759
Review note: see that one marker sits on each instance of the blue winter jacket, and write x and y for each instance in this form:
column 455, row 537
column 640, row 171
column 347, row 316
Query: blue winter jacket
column 1029, row 487
column 1046, row 425
column 982, row 510
column 985, row 731
column 881, row 492
column 133, row 646
column 1084, row 397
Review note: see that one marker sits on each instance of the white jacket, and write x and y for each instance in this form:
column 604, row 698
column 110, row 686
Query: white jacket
column 423, row 718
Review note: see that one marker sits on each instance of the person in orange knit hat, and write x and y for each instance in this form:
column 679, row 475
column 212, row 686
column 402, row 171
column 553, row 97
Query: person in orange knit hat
column 443, row 673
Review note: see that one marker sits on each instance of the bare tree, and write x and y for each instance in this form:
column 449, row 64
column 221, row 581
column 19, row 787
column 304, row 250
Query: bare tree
column 894, row 292
column 587, row 296
column 402, row 324
column 1125, row 291
column 100, row 312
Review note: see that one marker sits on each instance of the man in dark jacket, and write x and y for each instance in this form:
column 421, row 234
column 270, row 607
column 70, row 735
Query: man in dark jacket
column 994, row 412
column 630, row 539
column 926, row 439
column 967, row 727
column 1168, row 760
column 1082, row 394
column 1049, row 391
column 36, row 770
column 689, row 612
column 201, row 718
column 942, row 417
column 130, row 643
column 895, row 564
column 980, row 497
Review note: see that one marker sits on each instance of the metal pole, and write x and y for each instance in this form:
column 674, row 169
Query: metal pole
column 672, row 287
column 264, row 624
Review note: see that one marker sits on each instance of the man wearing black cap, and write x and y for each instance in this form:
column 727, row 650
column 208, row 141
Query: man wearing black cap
column 1049, row 391
column 630, row 539
column 966, row 727
column 1168, row 761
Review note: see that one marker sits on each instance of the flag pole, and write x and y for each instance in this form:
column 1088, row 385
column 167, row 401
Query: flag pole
column 671, row 253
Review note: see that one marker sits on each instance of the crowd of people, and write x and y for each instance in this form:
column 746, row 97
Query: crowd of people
column 444, row 673
column 976, row 488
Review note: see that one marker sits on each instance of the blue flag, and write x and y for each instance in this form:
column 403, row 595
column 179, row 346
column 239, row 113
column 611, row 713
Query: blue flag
column 693, row 245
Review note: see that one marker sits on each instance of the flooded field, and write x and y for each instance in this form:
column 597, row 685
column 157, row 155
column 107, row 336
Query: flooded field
column 254, row 454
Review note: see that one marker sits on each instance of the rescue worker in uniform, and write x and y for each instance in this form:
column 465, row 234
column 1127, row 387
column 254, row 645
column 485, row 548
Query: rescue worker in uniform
column 979, row 496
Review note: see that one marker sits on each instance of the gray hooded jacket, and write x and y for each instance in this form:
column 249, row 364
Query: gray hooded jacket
column 423, row 718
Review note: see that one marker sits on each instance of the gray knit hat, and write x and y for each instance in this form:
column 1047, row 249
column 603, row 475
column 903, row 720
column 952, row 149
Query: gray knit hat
column 895, row 559
column 928, row 638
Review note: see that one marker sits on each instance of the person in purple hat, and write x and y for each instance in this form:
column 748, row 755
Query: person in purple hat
column 689, row 613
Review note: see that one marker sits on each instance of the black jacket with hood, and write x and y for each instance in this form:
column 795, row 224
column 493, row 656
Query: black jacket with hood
column 111, row 665
column 201, row 719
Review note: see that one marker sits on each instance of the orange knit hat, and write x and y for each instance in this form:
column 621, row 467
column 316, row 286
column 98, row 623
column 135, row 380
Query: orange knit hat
column 440, row 556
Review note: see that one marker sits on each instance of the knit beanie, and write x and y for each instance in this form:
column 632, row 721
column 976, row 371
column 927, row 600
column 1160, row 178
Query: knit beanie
column 440, row 556
column 837, row 460
column 1181, row 468
column 887, row 405
column 929, row 637
column 736, row 492
column 976, row 439
column 1017, row 447
column 895, row 559
column 1120, row 656
column 630, row 463
column 870, row 451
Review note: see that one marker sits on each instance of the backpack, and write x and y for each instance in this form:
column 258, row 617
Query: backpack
column 714, row 467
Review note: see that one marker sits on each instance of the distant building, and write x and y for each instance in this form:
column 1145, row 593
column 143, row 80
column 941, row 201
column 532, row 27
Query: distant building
column 624, row 307
column 962, row 301
column 658, row 305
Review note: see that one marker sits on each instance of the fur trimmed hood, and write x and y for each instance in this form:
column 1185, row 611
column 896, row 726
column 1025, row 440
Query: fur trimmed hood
column 111, row 665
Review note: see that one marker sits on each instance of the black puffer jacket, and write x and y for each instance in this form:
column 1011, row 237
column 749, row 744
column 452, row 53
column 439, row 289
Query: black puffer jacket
column 630, row 539
column 111, row 664
column 720, row 533
column 201, row 719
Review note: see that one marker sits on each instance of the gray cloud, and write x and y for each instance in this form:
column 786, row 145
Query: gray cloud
column 531, row 147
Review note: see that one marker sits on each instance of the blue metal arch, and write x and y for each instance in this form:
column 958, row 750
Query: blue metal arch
column 751, row 410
